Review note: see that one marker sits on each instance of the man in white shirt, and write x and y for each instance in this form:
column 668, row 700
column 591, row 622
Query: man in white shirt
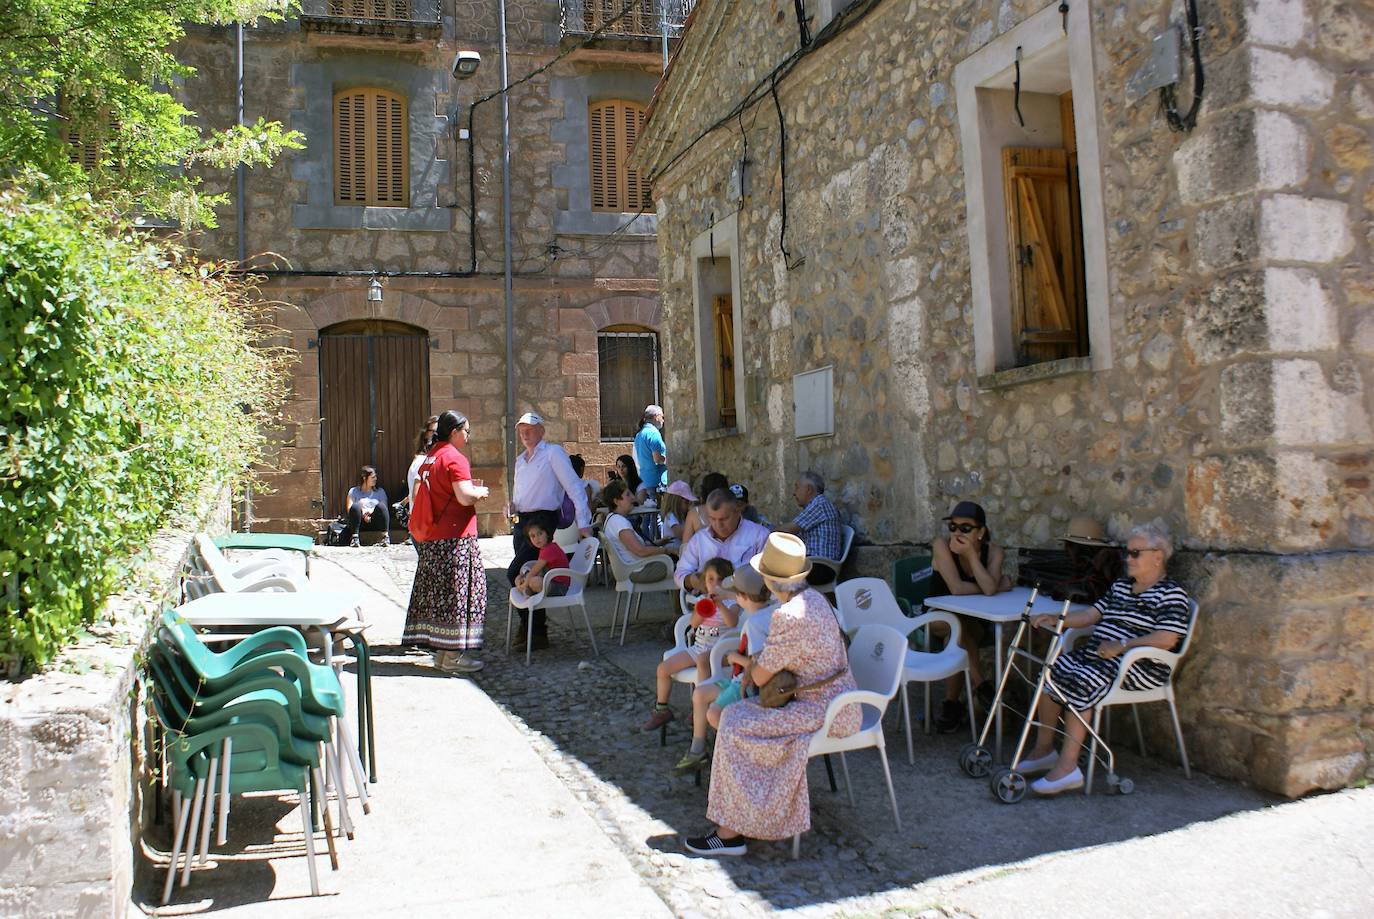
column 543, row 476
column 727, row 535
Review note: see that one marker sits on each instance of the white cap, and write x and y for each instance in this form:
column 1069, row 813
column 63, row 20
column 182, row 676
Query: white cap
column 531, row 418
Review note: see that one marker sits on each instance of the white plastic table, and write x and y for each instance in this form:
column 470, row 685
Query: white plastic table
column 317, row 609
column 998, row 609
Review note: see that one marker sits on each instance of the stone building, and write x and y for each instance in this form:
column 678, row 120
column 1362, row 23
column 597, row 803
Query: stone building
column 386, row 186
column 989, row 269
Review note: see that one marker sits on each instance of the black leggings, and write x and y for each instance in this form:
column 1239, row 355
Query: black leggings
column 381, row 519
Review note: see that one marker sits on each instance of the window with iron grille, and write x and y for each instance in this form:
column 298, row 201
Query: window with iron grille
column 614, row 127
column 371, row 148
column 628, row 365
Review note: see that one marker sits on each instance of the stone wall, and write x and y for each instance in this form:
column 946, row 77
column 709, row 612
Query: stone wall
column 575, row 271
column 71, row 769
column 1232, row 403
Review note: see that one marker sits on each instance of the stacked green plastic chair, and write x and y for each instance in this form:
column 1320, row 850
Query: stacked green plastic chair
column 233, row 718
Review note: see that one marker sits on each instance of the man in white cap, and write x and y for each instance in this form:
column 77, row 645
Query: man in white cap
column 651, row 454
column 543, row 477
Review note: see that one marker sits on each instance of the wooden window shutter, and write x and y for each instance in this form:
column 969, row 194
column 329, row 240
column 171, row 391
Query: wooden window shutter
column 1048, row 307
column 723, row 318
column 371, row 149
column 614, row 127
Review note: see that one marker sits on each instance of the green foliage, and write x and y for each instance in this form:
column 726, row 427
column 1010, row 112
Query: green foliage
column 129, row 380
column 98, row 69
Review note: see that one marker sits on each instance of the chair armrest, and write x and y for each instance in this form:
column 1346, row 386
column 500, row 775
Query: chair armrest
column 267, row 558
column 1134, row 655
column 828, row 563
column 936, row 615
column 727, row 642
column 684, row 622
column 267, row 640
column 1071, row 637
column 645, row 561
column 283, row 581
column 837, row 704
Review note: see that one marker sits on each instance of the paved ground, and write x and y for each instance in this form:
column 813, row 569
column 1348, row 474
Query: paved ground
column 528, row 790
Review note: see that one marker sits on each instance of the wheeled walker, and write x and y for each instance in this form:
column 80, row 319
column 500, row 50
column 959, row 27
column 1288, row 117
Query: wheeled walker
column 976, row 760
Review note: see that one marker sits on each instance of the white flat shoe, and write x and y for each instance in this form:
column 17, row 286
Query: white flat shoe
column 1039, row 764
column 1045, row 786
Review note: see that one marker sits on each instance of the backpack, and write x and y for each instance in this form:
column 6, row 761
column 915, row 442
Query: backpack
column 1083, row 574
column 424, row 516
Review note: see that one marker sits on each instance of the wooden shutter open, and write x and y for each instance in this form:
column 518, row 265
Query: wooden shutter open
column 1047, row 302
column 723, row 319
column 614, row 127
column 371, row 149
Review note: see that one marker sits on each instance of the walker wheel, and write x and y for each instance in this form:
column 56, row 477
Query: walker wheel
column 1124, row 786
column 1008, row 786
column 975, row 761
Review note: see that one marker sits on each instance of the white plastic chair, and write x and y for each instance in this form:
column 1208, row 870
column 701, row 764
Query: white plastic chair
column 832, row 566
column 568, row 537
column 212, row 572
column 579, row 567
column 634, row 592
column 1120, row 695
column 864, row 601
column 875, row 660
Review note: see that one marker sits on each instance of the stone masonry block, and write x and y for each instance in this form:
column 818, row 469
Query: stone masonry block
column 1247, row 403
column 578, row 363
column 1229, row 500
column 1308, row 410
column 1226, row 318
column 1299, row 311
column 1219, row 160
column 1283, row 150
column 1307, row 512
column 1280, row 79
column 1344, row 28
column 1298, row 229
column 1226, row 234
column 574, row 320
column 1282, row 23
column 1280, row 581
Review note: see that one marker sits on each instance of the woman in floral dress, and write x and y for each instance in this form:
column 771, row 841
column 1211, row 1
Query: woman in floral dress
column 758, row 774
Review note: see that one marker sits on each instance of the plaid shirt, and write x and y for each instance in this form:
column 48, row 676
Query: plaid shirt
column 820, row 528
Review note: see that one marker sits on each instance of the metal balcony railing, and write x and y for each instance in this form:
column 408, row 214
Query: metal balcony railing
column 640, row 19
column 408, row 18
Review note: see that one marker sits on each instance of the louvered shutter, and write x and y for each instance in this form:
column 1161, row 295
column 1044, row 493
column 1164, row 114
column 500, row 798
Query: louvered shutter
column 614, row 126
column 84, row 153
column 636, row 189
column 602, row 145
column 1047, row 303
column 370, row 149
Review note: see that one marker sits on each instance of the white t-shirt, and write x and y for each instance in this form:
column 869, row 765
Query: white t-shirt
column 615, row 524
column 413, row 473
column 366, row 501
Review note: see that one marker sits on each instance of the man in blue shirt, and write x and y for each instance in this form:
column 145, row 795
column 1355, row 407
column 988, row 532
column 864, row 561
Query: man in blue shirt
column 651, row 454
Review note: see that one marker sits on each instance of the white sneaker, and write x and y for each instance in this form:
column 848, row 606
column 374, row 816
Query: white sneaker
column 1039, row 764
column 460, row 663
column 1046, row 786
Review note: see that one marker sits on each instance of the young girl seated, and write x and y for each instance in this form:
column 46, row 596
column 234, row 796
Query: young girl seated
column 674, row 505
column 709, row 698
column 530, row 580
column 711, row 617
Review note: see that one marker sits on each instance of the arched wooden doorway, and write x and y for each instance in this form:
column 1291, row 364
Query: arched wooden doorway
column 374, row 397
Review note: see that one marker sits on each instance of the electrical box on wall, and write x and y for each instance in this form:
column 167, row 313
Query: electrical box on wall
column 1162, row 67
column 813, row 402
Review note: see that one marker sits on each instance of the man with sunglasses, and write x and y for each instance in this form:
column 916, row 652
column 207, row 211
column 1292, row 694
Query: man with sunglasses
column 966, row 562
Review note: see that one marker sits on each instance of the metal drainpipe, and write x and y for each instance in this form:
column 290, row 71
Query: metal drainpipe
column 663, row 25
column 509, row 291
column 240, row 220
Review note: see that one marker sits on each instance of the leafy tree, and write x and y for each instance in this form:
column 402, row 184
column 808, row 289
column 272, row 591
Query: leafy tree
column 96, row 72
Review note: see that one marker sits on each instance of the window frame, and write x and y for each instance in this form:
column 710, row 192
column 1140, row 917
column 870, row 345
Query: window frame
column 626, row 331
column 618, row 172
column 718, row 243
column 1041, row 39
column 371, row 172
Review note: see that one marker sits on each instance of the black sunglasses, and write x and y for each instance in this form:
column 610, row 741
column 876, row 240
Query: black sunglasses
column 962, row 527
column 1136, row 553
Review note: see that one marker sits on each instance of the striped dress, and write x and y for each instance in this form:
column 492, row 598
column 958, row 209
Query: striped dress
column 1082, row 678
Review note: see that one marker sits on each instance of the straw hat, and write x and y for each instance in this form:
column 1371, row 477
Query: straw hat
column 1086, row 532
column 783, row 558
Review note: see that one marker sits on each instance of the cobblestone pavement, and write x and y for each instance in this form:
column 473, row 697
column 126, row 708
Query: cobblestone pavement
column 580, row 713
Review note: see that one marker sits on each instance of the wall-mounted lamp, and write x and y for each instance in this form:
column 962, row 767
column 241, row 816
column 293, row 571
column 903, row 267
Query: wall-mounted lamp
column 374, row 291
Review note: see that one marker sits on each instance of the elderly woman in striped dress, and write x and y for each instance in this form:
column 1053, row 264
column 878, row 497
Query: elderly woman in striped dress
column 1144, row 609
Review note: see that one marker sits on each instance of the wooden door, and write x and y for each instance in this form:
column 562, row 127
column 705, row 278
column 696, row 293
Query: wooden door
column 374, row 398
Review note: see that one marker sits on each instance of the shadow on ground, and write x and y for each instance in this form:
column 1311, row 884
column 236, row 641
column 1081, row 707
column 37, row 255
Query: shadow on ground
column 583, row 713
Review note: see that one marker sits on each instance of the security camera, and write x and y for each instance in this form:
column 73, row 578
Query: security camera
column 465, row 64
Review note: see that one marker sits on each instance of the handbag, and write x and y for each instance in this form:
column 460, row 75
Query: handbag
column 782, row 687
column 567, row 513
column 335, row 535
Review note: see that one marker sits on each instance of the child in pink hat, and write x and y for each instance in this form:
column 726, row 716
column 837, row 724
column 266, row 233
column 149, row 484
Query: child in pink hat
column 674, row 505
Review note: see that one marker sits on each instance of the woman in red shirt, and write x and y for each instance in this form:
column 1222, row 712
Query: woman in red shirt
column 448, row 600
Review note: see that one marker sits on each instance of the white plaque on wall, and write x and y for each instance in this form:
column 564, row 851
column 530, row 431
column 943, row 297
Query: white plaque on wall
column 813, row 402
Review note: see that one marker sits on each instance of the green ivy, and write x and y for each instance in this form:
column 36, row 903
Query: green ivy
column 130, row 379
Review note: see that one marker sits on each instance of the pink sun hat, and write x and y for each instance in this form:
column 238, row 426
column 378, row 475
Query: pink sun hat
column 681, row 489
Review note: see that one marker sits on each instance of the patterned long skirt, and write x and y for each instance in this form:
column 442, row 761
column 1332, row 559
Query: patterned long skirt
column 448, row 602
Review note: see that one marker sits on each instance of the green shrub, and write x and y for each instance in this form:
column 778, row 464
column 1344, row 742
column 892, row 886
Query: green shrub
column 129, row 380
